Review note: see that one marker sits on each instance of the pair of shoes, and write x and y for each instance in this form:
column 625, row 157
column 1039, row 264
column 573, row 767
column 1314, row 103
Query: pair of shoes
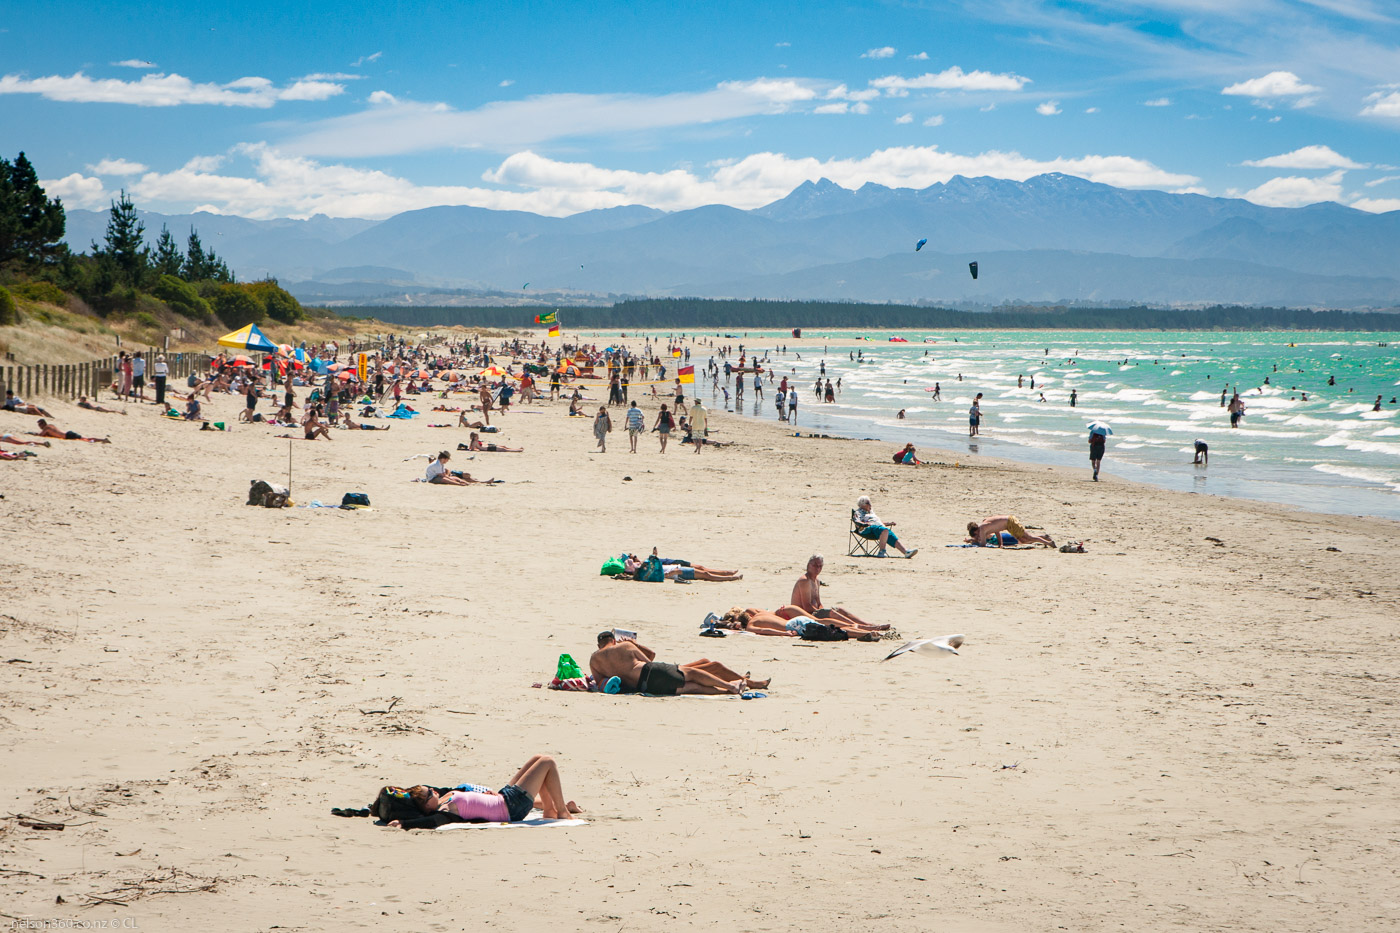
column 881, row 553
column 911, row 552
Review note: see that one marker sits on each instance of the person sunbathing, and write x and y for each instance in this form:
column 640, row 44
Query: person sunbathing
column 874, row 530
column 90, row 406
column 475, row 444
column 48, row 430
column 636, row 666
column 979, row 532
column 539, row 777
column 715, row 574
column 462, row 422
column 17, row 455
column 440, row 474
column 11, row 439
column 807, row 601
column 762, row 622
column 18, row 405
column 683, row 570
column 357, row 426
column 312, row 425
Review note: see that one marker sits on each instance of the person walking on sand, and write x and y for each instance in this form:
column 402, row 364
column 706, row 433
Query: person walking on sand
column 974, row 416
column 1097, row 441
column 699, row 424
column 636, row 424
column 664, row 423
column 602, row 426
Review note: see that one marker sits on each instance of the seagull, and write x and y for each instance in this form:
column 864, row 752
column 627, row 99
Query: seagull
column 939, row 647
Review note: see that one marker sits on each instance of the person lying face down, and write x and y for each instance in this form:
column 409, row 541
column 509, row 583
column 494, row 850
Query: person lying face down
column 636, row 666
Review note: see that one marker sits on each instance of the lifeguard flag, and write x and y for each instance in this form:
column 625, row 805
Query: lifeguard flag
column 362, row 367
column 550, row 318
column 687, row 374
column 554, row 330
column 676, row 353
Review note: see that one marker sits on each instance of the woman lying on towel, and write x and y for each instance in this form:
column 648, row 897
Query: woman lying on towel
column 538, row 778
column 475, row 444
column 760, row 622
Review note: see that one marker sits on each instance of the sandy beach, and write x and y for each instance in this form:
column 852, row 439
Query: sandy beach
column 1192, row 726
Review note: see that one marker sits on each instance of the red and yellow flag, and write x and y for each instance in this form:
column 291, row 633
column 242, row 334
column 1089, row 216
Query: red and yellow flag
column 687, row 374
column 554, row 330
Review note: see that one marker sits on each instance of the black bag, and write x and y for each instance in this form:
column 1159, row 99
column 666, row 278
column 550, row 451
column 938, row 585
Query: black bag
column 354, row 498
column 823, row 631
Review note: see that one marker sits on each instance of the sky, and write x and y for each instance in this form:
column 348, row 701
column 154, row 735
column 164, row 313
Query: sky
column 270, row 110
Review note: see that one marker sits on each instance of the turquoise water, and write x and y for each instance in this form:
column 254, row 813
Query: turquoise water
column 1160, row 391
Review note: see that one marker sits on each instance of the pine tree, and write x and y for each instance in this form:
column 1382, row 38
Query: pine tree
column 41, row 220
column 168, row 259
column 196, row 263
column 125, row 248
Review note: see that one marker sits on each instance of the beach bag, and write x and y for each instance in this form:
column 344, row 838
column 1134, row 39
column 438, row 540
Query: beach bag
column 612, row 567
column 822, row 631
column 354, row 498
column 568, row 668
column 651, row 571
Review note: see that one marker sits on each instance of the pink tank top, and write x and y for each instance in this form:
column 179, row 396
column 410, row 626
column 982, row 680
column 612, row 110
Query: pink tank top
column 471, row 806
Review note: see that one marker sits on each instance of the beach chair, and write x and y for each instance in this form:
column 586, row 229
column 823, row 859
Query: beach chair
column 861, row 547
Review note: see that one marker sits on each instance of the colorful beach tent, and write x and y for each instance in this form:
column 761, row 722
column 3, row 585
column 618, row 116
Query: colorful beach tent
column 248, row 338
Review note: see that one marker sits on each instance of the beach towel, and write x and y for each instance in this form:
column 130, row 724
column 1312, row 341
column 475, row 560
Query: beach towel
column 536, row 823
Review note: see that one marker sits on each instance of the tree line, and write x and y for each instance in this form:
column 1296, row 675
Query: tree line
column 121, row 274
column 700, row 314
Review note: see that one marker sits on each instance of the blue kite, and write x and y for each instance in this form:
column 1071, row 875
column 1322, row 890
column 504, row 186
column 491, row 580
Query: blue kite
column 920, row 245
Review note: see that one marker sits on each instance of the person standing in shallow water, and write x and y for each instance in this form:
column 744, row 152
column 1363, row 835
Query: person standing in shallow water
column 1073, row 398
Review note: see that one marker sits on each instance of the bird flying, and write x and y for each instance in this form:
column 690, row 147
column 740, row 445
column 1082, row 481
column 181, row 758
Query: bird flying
column 940, row 647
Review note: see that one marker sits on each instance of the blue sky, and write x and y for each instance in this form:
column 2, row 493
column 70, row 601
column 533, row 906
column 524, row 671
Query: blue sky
column 275, row 110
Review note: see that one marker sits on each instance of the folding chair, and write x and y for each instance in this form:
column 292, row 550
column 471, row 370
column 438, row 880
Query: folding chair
column 861, row 547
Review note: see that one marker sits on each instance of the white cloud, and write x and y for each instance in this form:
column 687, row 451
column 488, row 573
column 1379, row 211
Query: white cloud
column 1275, row 119
column 1274, row 86
column 1158, row 102
column 1377, row 205
column 78, row 191
column 1306, row 157
column 365, row 58
column 882, row 52
column 904, row 118
column 162, row 90
column 860, row 107
column 1381, row 181
column 505, row 82
column 1296, row 191
column 935, row 120
column 204, row 163
column 951, row 79
column 1048, row 108
column 920, row 57
column 116, row 167
column 392, row 126
column 841, row 92
column 281, row 185
column 1382, row 104
column 133, row 63
column 331, row 76
column 1091, row 110
column 841, row 107
column 782, row 45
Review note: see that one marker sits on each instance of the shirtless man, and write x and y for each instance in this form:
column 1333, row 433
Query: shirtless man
column 978, row 533
column 48, row 430
column 807, row 601
column 485, row 396
column 313, row 425
column 90, row 406
column 640, row 672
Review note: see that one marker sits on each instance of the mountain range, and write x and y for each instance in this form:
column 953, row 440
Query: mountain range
column 1052, row 238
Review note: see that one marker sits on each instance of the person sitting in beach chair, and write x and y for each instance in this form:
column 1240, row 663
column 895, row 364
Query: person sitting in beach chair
column 807, row 600
column 867, row 526
column 474, row 443
column 636, row 666
column 979, row 532
column 537, row 779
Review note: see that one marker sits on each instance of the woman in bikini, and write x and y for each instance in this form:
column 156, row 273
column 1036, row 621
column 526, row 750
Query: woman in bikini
column 539, row 777
column 476, row 444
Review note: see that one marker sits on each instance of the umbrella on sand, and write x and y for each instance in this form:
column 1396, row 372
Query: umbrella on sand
column 492, row 372
column 1098, row 427
column 248, row 338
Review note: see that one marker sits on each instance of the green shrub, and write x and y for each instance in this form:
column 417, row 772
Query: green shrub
column 40, row 291
column 9, row 314
column 146, row 319
column 183, row 298
column 280, row 305
column 236, row 307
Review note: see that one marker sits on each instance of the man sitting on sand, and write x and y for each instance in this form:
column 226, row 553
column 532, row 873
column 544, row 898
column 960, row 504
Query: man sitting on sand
column 440, row 474
column 978, row 533
column 313, row 426
column 91, row 406
column 640, row 672
column 48, row 430
column 18, row 405
column 807, row 600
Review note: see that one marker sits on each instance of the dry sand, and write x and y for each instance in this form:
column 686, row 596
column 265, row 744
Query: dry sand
column 1163, row 733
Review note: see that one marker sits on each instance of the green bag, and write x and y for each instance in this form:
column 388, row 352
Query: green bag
column 612, row 567
column 568, row 668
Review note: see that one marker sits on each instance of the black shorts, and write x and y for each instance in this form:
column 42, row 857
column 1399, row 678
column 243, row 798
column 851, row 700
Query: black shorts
column 518, row 803
column 1096, row 451
column 72, row 436
column 138, row 382
column 660, row 679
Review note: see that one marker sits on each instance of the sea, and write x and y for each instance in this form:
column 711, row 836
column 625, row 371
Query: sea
column 1309, row 436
